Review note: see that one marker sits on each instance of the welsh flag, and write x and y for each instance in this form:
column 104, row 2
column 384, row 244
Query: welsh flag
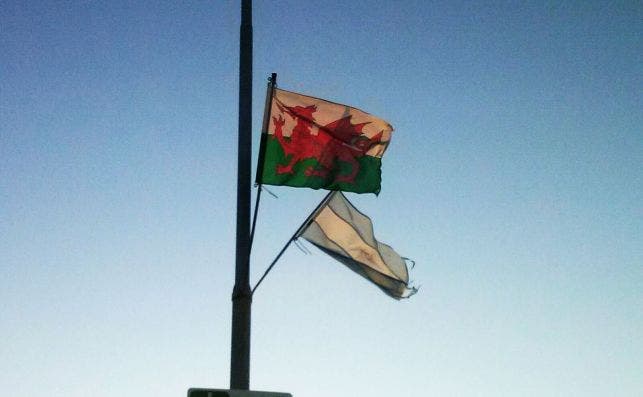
column 319, row 144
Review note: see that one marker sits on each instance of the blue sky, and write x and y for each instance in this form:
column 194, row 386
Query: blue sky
column 513, row 179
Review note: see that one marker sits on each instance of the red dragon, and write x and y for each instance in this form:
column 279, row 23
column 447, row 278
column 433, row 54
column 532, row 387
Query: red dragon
column 339, row 140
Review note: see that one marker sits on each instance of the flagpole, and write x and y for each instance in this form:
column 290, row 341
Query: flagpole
column 241, row 294
column 272, row 82
column 294, row 237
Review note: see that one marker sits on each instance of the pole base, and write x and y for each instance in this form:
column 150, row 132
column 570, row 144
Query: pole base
column 198, row 392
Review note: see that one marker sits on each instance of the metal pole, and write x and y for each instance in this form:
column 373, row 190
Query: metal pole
column 295, row 236
column 272, row 81
column 264, row 128
column 242, row 295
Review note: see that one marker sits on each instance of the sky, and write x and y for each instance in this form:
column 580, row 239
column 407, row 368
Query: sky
column 513, row 179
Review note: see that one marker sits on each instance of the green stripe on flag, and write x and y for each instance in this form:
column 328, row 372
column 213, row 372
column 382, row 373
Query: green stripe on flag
column 368, row 178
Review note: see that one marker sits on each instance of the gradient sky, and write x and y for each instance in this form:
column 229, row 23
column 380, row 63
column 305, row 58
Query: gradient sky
column 514, row 179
